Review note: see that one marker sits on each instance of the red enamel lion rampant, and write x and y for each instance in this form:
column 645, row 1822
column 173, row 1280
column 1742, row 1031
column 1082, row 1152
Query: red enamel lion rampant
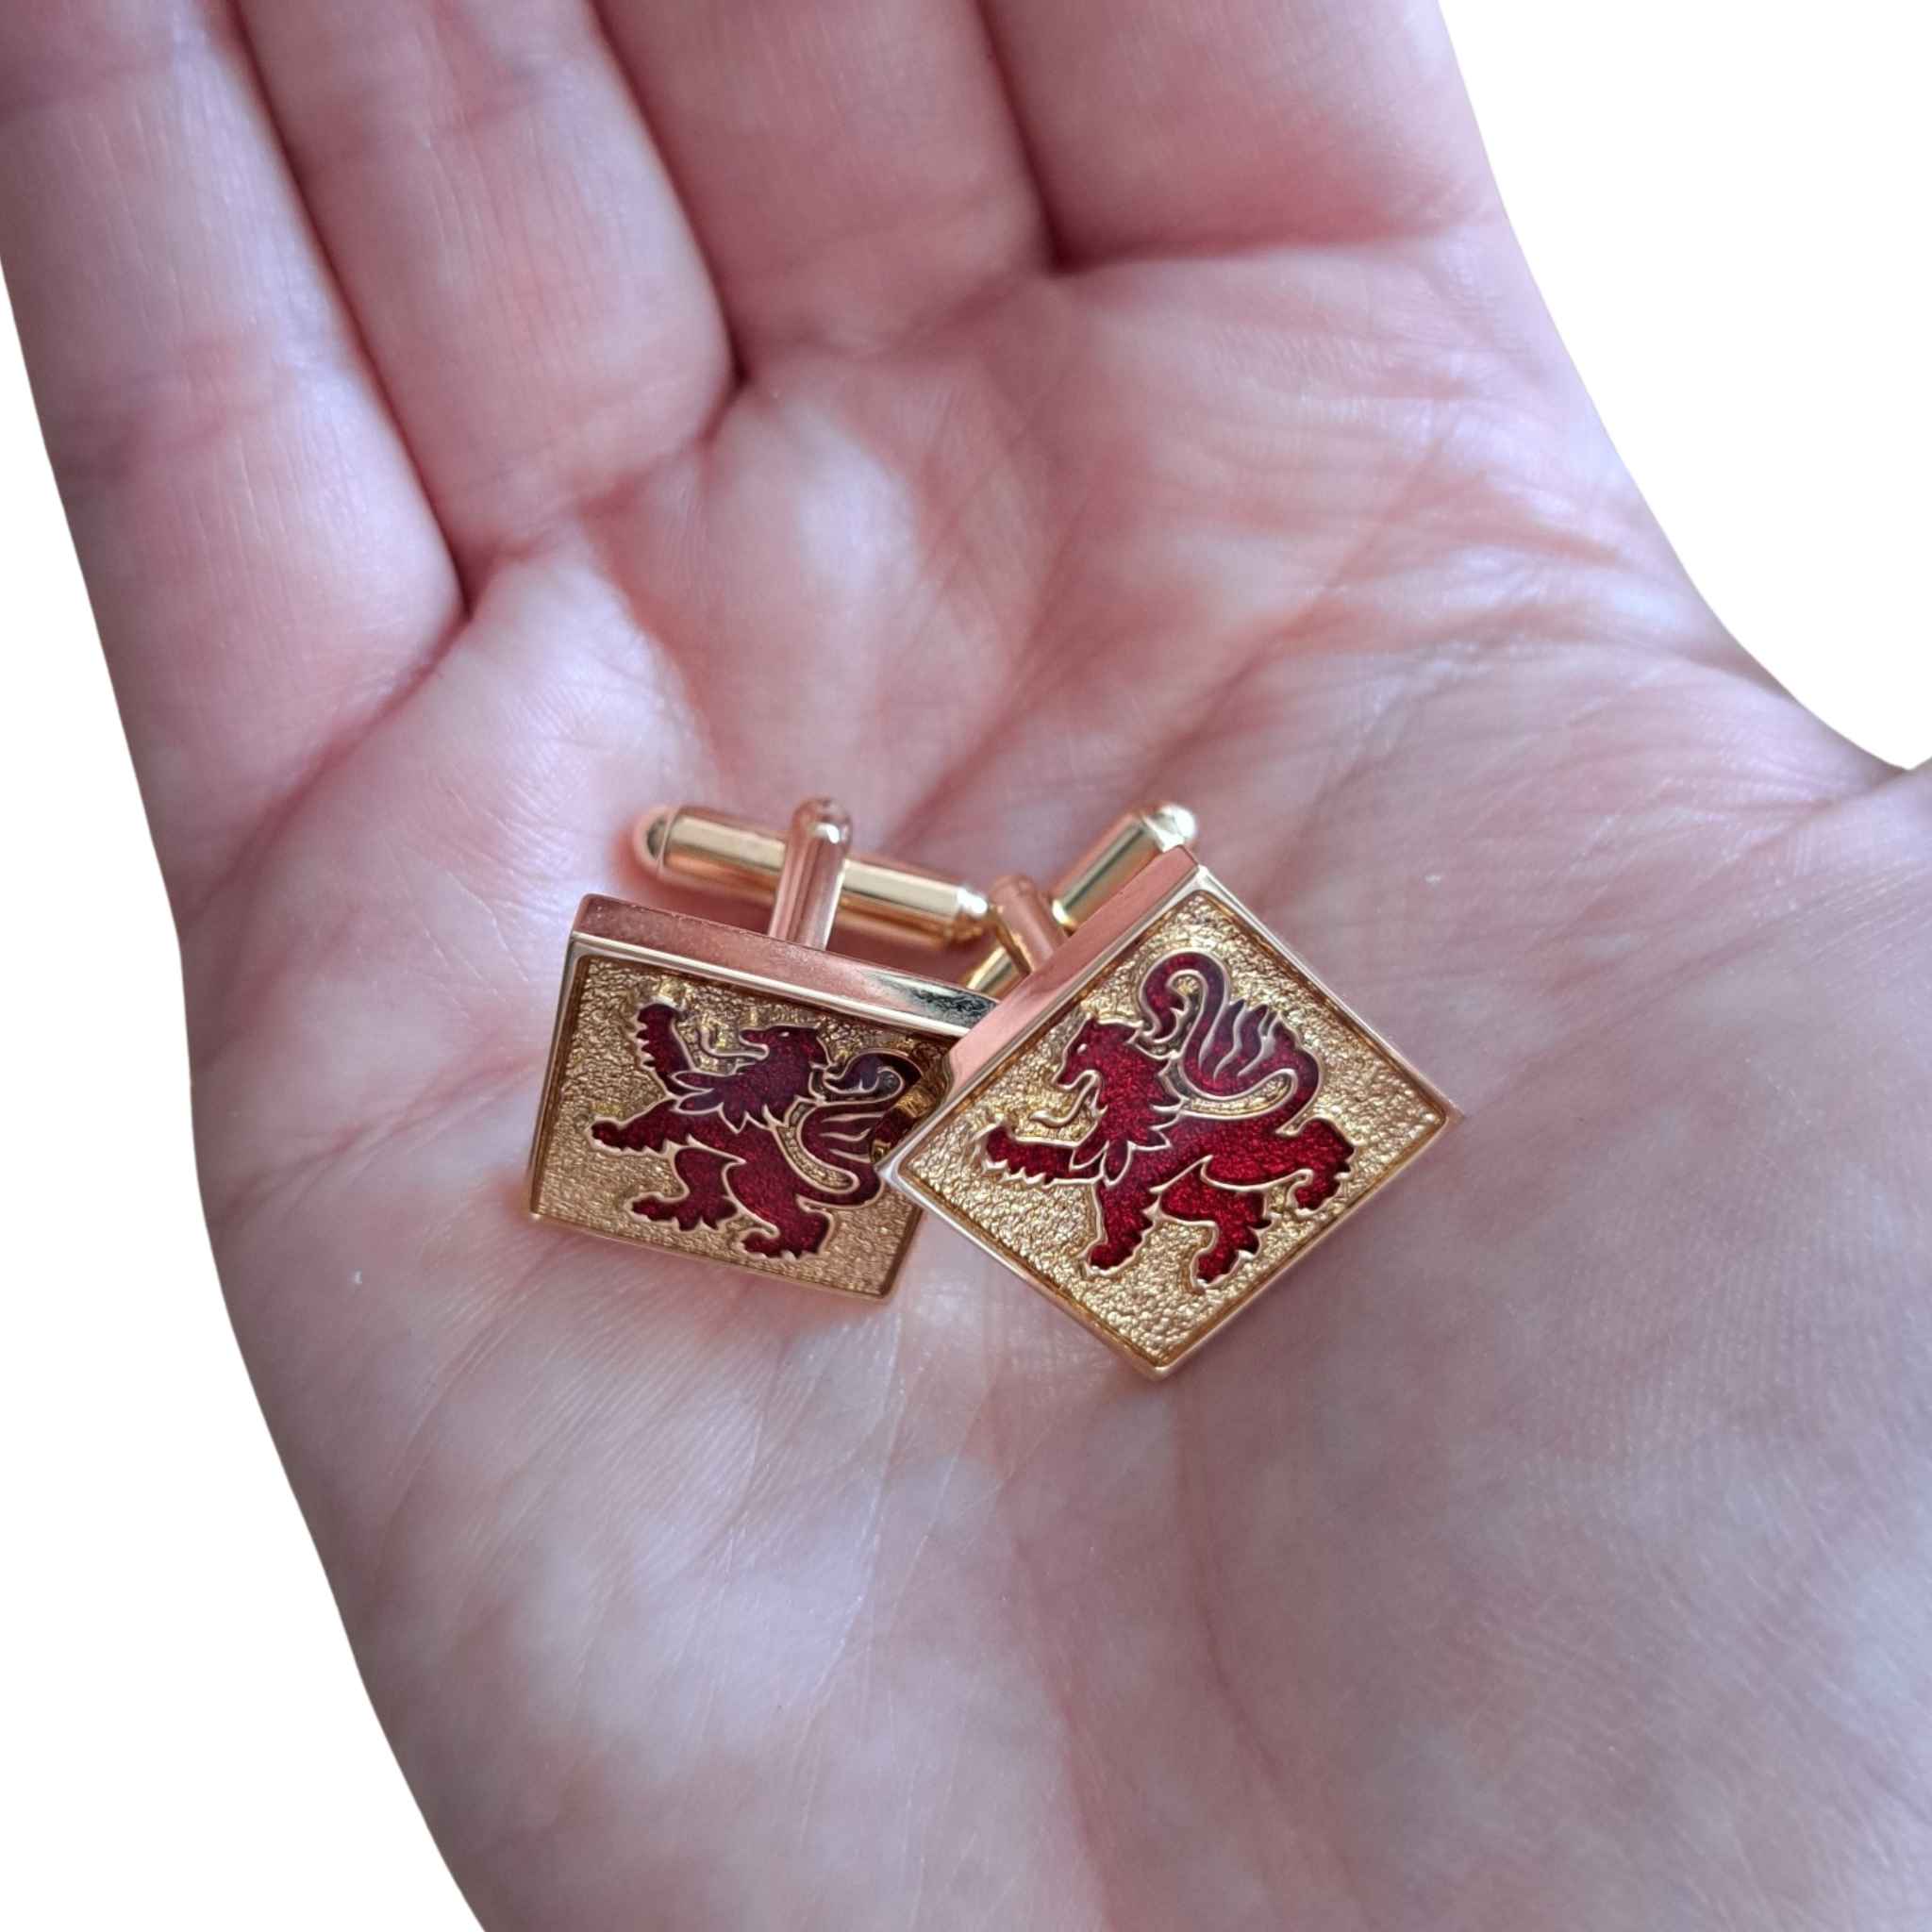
column 1174, row 1135
column 730, row 1128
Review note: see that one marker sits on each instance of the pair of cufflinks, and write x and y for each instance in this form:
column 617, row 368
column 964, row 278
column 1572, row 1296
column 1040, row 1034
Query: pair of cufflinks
column 1138, row 1098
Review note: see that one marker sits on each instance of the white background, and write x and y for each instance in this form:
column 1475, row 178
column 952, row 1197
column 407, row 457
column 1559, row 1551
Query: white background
column 1725, row 201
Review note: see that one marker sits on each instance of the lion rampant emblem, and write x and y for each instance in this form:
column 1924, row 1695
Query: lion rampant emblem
column 734, row 1131
column 1195, row 1106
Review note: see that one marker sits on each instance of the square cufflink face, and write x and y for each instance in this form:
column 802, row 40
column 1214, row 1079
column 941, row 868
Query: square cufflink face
column 1167, row 1116
column 722, row 1095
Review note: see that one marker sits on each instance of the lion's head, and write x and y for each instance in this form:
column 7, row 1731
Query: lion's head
column 1134, row 1102
column 766, row 1086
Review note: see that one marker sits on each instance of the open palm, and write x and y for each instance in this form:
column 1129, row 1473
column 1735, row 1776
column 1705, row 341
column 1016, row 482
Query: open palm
column 480, row 418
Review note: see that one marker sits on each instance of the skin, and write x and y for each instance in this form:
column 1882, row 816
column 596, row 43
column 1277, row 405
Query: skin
column 480, row 420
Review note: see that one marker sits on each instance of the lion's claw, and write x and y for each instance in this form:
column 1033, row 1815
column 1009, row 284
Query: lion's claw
column 774, row 1247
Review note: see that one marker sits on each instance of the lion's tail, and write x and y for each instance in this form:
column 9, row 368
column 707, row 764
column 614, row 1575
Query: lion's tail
column 850, row 1135
column 1228, row 1047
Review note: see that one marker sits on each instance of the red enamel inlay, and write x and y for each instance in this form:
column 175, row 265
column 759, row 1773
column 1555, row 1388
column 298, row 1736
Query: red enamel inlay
column 1153, row 1150
column 726, row 1131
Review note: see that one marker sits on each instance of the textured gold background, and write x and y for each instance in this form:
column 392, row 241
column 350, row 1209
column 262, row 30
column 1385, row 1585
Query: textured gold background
column 1153, row 1304
column 603, row 1076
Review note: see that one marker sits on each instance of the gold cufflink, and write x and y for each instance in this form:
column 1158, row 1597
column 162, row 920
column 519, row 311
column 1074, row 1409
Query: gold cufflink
column 722, row 1094
column 1164, row 1115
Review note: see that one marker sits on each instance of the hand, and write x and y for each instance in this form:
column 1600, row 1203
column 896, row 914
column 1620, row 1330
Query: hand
column 478, row 423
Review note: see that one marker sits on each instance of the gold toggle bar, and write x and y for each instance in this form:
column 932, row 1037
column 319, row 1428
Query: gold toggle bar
column 725, row 854
column 1134, row 841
